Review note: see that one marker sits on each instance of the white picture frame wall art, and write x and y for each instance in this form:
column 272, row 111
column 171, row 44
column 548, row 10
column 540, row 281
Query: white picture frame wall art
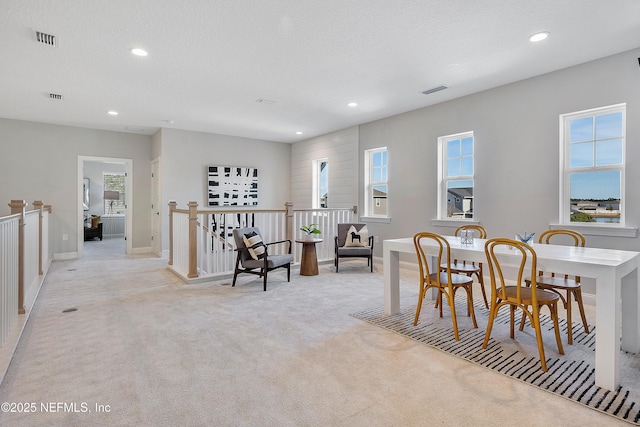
column 232, row 186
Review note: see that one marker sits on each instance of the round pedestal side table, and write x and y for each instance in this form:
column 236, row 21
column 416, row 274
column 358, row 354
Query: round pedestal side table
column 309, row 261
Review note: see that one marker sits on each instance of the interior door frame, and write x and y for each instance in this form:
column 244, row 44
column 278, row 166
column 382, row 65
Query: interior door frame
column 128, row 180
column 156, row 211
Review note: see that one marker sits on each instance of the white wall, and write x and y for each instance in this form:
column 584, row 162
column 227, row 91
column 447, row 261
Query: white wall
column 185, row 155
column 341, row 150
column 39, row 161
column 516, row 130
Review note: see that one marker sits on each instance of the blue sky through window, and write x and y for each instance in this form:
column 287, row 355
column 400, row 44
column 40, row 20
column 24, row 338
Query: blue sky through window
column 596, row 141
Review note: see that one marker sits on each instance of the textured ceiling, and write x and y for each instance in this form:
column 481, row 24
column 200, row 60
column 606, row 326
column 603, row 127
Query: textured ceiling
column 210, row 60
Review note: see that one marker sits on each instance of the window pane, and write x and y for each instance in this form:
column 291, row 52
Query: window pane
column 581, row 130
column 581, row 155
column 609, row 125
column 595, row 185
column 453, row 148
column 460, row 199
column 595, row 197
column 323, row 184
column 378, row 175
column 467, row 146
column 379, row 202
column 467, row 165
column 609, row 152
column 453, row 167
column 377, row 159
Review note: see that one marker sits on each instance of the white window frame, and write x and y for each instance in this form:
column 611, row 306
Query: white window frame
column 369, row 183
column 121, row 204
column 443, row 180
column 566, row 170
column 316, row 194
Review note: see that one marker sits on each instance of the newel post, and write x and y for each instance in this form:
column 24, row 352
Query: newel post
column 39, row 206
column 289, row 220
column 18, row 207
column 172, row 207
column 193, row 240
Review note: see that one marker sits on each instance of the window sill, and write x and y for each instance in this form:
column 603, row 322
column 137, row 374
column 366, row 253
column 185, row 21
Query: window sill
column 380, row 219
column 453, row 222
column 599, row 230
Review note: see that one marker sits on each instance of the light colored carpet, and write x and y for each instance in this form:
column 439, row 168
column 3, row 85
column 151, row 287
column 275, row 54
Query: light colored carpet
column 158, row 352
column 570, row 375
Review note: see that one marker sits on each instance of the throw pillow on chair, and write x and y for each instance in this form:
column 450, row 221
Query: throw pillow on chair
column 357, row 238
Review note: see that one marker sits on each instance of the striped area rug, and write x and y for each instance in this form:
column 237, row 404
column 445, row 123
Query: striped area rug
column 570, row 376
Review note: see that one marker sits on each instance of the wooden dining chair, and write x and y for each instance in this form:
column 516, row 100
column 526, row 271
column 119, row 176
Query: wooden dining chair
column 470, row 268
column 445, row 282
column 519, row 295
column 563, row 283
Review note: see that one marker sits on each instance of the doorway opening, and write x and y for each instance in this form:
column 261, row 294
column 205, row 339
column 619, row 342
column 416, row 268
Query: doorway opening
column 104, row 214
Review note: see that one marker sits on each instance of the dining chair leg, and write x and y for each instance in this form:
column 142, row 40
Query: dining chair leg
column 567, row 305
column 470, row 310
column 538, row 329
column 512, row 313
column 420, row 298
column 484, row 293
column 493, row 311
column 577, row 294
column 554, row 315
column 453, row 315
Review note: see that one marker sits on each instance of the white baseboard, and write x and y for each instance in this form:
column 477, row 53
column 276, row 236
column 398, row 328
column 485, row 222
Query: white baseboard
column 63, row 256
column 138, row 251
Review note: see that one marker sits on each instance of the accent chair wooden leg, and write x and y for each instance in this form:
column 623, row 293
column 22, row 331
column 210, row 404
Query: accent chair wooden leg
column 265, row 280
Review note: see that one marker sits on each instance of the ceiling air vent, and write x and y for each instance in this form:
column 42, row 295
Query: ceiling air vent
column 47, row 39
column 433, row 90
column 265, row 101
column 55, row 96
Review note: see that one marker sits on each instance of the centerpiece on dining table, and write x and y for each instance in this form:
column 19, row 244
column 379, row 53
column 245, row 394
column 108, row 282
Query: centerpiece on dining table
column 525, row 238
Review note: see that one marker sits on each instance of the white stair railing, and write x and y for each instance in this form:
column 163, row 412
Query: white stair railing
column 24, row 258
column 202, row 244
column 326, row 221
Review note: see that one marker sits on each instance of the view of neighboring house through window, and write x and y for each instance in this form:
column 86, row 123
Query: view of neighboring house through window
column 593, row 146
column 455, row 175
column 376, row 175
column 114, row 182
column 320, row 183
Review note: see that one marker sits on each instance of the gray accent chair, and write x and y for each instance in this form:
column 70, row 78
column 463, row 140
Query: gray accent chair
column 246, row 264
column 343, row 251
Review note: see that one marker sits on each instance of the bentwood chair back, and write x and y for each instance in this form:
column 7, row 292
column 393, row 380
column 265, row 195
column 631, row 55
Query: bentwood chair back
column 445, row 282
column 519, row 295
column 471, row 268
column 563, row 285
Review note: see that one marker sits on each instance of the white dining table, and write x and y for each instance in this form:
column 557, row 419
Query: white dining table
column 617, row 296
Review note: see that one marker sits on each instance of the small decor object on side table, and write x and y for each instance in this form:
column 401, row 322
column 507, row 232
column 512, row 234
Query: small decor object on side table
column 310, row 229
column 466, row 237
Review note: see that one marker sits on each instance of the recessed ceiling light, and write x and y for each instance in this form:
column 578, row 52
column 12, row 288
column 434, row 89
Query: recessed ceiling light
column 299, row 132
column 139, row 52
column 352, row 104
column 112, row 113
column 539, row 36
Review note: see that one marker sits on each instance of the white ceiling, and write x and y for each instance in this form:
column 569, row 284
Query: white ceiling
column 210, row 60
